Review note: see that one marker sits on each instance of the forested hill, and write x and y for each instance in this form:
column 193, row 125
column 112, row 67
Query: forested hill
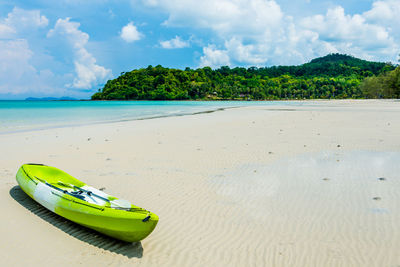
column 332, row 76
column 332, row 65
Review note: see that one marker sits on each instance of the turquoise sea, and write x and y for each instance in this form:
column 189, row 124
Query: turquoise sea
column 16, row 116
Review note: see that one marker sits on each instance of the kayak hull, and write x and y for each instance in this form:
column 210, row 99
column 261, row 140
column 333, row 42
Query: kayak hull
column 57, row 191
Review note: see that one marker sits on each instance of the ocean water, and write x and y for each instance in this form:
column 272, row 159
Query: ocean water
column 16, row 116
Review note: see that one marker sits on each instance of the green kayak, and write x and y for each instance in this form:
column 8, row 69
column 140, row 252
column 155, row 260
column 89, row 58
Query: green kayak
column 74, row 200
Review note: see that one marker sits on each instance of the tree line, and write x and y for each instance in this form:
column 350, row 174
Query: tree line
column 334, row 76
column 385, row 85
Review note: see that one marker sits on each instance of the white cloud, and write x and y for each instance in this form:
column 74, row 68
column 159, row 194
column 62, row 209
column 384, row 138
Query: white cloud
column 214, row 57
column 174, row 43
column 257, row 32
column 88, row 72
column 247, row 17
column 20, row 58
column 6, row 31
column 250, row 53
column 14, row 65
column 336, row 26
column 129, row 33
column 352, row 34
column 21, row 18
column 247, row 31
column 17, row 73
column 384, row 13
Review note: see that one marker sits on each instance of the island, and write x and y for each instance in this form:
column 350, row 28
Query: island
column 335, row 76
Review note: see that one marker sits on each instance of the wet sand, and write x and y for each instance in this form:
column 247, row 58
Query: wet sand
column 308, row 185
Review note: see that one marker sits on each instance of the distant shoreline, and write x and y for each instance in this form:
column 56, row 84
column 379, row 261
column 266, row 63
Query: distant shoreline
column 202, row 100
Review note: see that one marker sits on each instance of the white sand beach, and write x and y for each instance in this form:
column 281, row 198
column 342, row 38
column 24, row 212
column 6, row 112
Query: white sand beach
column 310, row 185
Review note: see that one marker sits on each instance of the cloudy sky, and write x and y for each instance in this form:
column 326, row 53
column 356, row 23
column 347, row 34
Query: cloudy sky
column 72, row 47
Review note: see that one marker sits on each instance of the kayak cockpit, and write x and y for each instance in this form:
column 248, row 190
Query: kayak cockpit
column 91, row 195
column 67, row 184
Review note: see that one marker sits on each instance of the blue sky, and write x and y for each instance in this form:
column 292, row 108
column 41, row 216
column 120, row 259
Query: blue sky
column 71, row 47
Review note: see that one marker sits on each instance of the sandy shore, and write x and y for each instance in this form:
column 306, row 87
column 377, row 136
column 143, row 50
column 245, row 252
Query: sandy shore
column 310, row 185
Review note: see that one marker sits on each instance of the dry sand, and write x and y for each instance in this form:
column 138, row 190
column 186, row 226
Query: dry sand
column 310, row 185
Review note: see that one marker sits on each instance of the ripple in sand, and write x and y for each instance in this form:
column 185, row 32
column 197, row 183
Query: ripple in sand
column 294, row 179
column 286, row 201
